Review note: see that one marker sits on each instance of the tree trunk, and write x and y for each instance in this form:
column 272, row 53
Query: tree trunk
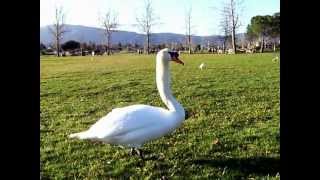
column 234, row 47
column 58, row 47
column 148, row 43
column 224, row 47
column 108, row 47
column 189, row 41
column 262, row 45
column 186, row 45
column 274, row 46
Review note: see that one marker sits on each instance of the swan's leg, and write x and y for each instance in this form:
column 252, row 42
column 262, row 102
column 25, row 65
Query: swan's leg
column 139, row 152
column 136, row 150
column 132, row 151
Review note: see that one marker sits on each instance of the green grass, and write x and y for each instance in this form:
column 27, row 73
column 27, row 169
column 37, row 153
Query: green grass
column 232, row 132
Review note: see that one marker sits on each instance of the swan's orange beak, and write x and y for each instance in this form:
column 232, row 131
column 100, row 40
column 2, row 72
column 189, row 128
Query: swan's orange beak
column 177, row 60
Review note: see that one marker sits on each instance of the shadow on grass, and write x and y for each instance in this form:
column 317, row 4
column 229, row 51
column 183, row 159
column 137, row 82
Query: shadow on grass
column 257, row 165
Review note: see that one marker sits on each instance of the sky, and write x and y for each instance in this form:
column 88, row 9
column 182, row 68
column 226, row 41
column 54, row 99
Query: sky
column 170, row 13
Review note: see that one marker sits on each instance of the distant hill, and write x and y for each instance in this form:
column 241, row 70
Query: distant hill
column 86, row 34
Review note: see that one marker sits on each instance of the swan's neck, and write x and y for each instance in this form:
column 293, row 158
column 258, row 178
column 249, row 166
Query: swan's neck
column 163, row 85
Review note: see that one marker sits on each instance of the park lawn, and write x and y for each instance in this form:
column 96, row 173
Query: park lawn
column 232, row 132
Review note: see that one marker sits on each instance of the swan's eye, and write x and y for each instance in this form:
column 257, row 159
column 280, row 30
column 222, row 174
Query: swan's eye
column 173, row 55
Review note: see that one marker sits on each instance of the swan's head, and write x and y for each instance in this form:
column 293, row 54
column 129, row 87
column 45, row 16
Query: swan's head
column 167, row 56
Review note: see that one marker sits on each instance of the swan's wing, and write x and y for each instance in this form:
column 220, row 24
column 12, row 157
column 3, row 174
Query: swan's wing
column 124, row 120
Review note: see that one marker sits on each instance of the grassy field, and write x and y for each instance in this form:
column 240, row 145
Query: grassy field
column 232, row 132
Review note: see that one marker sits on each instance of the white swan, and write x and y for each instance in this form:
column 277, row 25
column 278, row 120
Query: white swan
column 134, row 125
column 202, row 65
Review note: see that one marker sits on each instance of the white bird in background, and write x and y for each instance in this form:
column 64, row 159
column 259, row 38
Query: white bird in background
column 134, row 125
column 202, row 65
column 275, row 59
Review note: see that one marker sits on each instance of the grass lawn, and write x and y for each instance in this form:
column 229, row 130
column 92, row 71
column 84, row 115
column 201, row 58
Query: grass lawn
column 232, row 132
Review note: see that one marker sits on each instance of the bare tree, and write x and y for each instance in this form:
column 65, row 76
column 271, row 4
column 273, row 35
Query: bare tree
column 188, row 27
column 231, row 9
column 225, row 27
column 58, row 28
column 110, row 25
column 146, row 21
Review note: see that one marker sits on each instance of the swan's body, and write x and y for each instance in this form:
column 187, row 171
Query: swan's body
column 202, row 65
column 134, row 125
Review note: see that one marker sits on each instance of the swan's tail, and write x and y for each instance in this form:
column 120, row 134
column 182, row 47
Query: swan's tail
column 82, row 135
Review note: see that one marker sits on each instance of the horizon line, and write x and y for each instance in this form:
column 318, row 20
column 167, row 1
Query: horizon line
column 139, row 32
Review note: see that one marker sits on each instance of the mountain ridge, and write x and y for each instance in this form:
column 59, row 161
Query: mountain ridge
column 83, row 33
